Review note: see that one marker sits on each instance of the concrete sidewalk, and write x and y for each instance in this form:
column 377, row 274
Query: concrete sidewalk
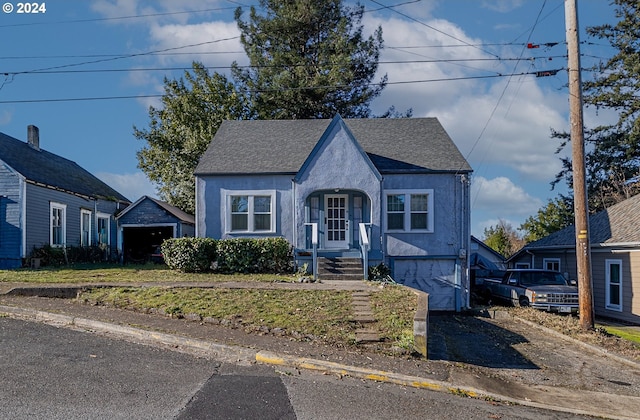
column 608, row 399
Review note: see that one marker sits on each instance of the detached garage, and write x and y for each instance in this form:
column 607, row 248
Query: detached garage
column 145, row 224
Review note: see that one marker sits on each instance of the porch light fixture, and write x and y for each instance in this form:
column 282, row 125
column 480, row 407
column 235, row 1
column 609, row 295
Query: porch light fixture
column 336, row 190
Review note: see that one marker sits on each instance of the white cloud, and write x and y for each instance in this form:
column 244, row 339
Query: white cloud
column 219, row 42
column 5, row 117
column 158, row 10
column 132, row 185
column 501, row 193
column 494, row 121
column 502, row 6
column 518, row 129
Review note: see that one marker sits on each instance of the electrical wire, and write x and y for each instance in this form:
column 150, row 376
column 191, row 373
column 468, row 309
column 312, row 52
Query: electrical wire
column 444, row 79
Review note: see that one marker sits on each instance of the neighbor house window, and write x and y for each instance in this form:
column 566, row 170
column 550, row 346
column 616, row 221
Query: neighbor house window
column 613, row 280
column 551, row 264
column 85, row 228
column 58, row 229
column 103, row 229
column 250, row 211
column 410, row 210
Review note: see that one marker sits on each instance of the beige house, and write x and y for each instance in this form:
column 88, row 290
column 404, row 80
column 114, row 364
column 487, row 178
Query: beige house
column 615, row 259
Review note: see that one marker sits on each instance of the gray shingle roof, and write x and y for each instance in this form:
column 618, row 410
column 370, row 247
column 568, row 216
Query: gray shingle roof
column 172, row 210
column 402, row 145
column 619, row 224
column 178, row 213
column 48, row 169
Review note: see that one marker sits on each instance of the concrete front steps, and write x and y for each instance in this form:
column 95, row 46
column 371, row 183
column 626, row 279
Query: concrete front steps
column 340, row 268
column 363, row 315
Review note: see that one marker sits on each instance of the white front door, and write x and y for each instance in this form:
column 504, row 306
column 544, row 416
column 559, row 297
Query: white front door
column 336, row 221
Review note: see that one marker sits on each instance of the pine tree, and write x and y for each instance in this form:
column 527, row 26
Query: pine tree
column 308, row 59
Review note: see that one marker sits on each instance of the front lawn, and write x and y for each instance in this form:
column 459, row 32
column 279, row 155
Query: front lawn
column 302, row 314
column 115, row 273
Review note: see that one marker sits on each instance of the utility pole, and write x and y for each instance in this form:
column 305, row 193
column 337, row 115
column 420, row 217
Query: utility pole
column 580, row 203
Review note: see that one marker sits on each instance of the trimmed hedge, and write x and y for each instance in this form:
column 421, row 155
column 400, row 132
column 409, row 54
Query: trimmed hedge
column 61, row 256
column 240, row 255
column 189, row 255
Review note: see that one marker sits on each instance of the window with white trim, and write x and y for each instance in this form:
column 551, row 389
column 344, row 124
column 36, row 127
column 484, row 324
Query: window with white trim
column 58, row 224
column 250, row 211
column 551, row 264
column 104, row 229
column 85, row 228
column 409, row 210
column 613, row 285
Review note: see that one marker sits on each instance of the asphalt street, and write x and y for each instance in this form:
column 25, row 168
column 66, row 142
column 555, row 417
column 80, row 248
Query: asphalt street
column 48, row 372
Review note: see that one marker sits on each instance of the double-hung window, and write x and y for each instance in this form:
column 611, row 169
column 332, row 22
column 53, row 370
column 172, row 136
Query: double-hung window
column 103, row 229
column 58, row 228
column 409, row 210
column 250, row 211
column 613, row 280
column 85, row 228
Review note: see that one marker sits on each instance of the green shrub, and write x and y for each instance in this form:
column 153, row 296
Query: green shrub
column 189, row 255
column 49, row 256
column 379, row 272
column 262, row 255
column 275, row 255
column 59, row 256
column 238, row 255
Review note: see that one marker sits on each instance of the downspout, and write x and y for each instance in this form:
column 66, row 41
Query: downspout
column 381, row 214
column 94, row 229
column 458, row 268
column 294, row 219
column 465, row 217
column 533, row 258
column 197, row 229
column 23, row 216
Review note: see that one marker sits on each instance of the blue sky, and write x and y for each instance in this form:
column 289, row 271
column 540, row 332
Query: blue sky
column 85, row 72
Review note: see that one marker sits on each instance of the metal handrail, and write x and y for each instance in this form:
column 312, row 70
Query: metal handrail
column 314, row 245
column 365, row 245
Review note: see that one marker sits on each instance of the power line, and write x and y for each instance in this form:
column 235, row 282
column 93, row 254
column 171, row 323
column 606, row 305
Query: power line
column 137, row 69
column 444, row 79
column 430, row 27
column 124, row 56
column 61, row 22
column 504, row 90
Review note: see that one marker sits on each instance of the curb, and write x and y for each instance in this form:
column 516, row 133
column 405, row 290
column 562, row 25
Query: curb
column 244, row 356
column 221, row 352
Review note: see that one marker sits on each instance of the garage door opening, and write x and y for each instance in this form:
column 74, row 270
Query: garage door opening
column 141, row 243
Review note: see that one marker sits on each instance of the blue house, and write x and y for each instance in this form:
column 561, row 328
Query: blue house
column 48, row 200
column 345, row 192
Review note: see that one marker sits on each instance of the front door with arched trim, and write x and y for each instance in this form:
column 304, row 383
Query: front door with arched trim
column 336, row 221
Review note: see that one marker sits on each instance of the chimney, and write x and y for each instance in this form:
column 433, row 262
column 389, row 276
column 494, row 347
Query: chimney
column 33, row 136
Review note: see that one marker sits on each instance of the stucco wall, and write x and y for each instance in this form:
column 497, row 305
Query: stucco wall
column 338, row 164
column 210, row 212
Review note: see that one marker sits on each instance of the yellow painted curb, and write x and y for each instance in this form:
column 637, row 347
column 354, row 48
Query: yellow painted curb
column 269, row 358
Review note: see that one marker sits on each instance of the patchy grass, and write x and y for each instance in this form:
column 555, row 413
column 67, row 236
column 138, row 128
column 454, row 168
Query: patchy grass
column 324, row 315
column 604, row 337
column 628, row 335
column 113, row 273
column 393, row 308
column 304, row 314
